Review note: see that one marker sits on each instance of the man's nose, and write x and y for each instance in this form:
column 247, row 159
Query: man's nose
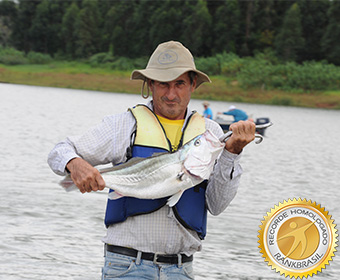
column 172, row 92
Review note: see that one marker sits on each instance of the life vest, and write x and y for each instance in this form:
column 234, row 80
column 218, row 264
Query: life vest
column 150, row 138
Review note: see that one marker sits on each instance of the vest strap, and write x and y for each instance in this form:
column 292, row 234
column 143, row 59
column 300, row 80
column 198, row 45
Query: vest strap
column 191, row 209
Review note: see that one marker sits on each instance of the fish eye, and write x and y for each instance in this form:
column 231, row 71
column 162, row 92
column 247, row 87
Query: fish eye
column 197, row 142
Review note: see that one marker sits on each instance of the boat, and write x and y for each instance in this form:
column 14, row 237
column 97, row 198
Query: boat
column 225, row 121
column 262, row 120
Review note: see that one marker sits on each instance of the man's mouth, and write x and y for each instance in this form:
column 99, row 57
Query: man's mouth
column 170, row 102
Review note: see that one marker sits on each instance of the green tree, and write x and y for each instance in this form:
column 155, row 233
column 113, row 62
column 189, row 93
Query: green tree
column 330, row 40
column 197, row 30
column 5, row 33
column 80, row 28
column 247, row 9
column 40, row 30
column 280, row 8
column 46, row 26
column 289, row 42
column 108, row 29
column 57, row 11
column 314, row 23
column 8, row 13
column 87, row 29
column 141, row 25
column 264, row 25
column 21, row 37
column 118, row 26
column 167, row 22
column 226, row 27
column 68, row 32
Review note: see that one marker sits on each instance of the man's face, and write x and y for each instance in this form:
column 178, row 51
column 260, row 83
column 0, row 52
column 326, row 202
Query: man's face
column 170, row 99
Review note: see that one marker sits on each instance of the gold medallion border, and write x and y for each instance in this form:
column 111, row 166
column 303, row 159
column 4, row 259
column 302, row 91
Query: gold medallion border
column 330, row 226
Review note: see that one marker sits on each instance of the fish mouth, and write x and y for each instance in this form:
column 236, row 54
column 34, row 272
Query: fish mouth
column 202, row 162
column 196, row 177
column 200, row 172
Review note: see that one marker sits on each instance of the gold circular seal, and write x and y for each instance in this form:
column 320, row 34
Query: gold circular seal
column 297, row 238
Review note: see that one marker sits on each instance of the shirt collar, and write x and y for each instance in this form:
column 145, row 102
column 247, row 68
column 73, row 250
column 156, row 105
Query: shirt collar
column 187, row 114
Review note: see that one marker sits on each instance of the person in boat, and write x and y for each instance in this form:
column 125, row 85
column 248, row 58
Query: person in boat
column 238, row 114
column 147, row 239
column 207, row 113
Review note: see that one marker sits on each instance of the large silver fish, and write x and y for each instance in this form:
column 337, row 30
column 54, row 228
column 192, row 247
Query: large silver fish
column 163, row 175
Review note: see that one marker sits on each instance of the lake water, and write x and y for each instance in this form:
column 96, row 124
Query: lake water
column 47, row 233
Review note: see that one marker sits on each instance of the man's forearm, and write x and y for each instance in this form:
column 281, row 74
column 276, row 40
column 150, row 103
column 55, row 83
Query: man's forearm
column 223, row 183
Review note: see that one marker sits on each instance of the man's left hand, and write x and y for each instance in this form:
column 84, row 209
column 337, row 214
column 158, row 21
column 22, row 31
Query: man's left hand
column 243, row 134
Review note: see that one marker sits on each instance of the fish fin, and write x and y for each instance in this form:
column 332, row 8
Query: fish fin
column 180, row 176
column 68, row 184
column 131, row 162
column 157, row 154
column 115, row 195
column 174, row 199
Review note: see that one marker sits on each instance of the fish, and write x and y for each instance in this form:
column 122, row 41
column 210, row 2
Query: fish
column 165, row 174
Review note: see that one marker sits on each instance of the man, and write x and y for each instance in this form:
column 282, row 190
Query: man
column 207, row 113
column 146, row 239
column 238, row 114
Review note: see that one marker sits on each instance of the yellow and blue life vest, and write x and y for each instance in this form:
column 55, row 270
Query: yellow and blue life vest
column 150, row 138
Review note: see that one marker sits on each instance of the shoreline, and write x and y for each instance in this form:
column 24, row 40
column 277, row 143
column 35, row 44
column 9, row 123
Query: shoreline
column 106, row 80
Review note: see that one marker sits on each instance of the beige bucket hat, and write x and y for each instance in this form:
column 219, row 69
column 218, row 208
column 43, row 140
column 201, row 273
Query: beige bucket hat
column 169, row 61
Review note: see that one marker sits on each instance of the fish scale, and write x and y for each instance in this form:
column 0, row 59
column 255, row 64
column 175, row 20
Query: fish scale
column 163, row 175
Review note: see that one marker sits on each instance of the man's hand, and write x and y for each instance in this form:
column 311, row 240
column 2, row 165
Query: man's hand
column 243, row 134
column 85, row 176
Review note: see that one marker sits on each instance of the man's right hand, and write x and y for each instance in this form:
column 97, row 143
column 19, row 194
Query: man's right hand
column 85, row 176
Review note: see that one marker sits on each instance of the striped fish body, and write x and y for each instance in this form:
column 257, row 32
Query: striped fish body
column 149, row 178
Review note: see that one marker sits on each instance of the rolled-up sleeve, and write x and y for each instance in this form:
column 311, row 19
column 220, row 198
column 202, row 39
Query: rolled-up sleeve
column 223, row 182
column 60, row 155
column 107, row 142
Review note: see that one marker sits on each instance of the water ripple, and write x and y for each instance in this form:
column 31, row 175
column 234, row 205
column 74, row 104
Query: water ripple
column 57, row 235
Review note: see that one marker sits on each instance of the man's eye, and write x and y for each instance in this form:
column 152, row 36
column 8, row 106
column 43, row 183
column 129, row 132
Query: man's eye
column 162, row 84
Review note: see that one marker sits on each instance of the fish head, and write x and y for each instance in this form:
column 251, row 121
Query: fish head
column 201, row 154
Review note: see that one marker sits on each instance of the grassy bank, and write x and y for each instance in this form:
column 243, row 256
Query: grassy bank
column 78, row 75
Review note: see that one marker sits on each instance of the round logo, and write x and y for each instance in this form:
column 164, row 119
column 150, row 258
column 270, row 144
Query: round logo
column 297, row 238
column 167, row 57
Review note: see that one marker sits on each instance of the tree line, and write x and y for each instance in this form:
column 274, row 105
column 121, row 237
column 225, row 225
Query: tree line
column 297, row 31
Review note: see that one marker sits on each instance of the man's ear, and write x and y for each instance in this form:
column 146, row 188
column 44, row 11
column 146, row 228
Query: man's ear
column 194, row 83
column 150, row 84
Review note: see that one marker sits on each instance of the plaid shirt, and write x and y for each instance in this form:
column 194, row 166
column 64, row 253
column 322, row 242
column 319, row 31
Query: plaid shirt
column 158, row 231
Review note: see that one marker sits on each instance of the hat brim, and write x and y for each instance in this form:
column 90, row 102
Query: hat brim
column 167, row 75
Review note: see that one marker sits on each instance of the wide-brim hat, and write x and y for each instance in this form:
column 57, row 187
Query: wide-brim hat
column 169, row 61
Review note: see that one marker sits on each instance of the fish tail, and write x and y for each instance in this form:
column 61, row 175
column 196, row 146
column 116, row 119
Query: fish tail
column 115, row 195
column 68, row 184
column 174, row 199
